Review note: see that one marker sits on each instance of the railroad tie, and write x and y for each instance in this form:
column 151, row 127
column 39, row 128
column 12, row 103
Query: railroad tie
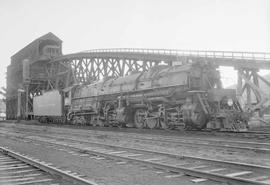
column 18, row 171
column 266, row 181
column 11, row 162
column 259, row 178
column 121, row 162
column 15, row 167
column 198, row 167
column 6, row 159
column 16, row 180
column 154, row 159
column 108, row 151
column 99, row 158
column 198, row 180
column 117, row 152
column 238, row 173
column 216, row 170
column 29, row 182
column 20, row 176
column 133, row 155
column 174, row 176
column 130, row 155
column 84, row 155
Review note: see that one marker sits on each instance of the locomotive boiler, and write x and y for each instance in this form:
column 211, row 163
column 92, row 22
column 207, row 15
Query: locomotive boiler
column 188, row 96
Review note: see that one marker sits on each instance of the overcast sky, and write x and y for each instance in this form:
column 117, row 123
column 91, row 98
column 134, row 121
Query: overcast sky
column 237, row 25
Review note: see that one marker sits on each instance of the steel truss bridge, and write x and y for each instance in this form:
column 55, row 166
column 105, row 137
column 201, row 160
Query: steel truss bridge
column 89, row 66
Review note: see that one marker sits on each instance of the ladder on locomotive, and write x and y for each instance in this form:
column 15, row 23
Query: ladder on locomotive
column 204, row 103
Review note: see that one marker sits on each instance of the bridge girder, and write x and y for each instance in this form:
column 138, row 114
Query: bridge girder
column 86, row 69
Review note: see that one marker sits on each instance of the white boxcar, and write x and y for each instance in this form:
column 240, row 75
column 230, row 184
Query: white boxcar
column 48, row 104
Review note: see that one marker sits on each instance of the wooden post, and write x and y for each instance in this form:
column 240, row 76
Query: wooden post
column 26, row 101
column 239, row 83
column 19, row 105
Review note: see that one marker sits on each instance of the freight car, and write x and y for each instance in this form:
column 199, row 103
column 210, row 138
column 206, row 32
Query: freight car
column 188, row 96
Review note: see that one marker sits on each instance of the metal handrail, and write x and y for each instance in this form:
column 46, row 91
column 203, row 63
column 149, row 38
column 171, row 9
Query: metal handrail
column 197, row 53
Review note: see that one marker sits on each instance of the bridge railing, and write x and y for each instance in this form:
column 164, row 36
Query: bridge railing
column 196, row 53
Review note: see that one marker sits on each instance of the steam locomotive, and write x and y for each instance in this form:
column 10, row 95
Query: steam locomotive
column 188, row 96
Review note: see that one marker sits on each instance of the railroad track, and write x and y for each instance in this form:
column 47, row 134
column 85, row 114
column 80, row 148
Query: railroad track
column 260, row 135
column 19, row 169
column 201, row 142
column 205, row 169
column 182, row 141
column 260, row 147
column 190, row 141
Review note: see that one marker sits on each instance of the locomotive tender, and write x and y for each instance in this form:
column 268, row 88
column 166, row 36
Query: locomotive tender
column 188, row 96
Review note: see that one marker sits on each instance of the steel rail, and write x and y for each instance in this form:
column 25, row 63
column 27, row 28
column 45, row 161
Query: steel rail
column 47, row 168
column 216, row 161
column 194, row 141
column 189, row 171
column 200, row 142
column 203, row 142
column 152, row 151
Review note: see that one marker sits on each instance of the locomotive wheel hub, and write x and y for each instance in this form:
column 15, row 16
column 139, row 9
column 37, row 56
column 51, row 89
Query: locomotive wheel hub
column 163, row 124
column 139, row 118
column 151, row 122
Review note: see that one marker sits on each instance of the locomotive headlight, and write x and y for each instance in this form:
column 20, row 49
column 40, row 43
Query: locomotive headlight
column 230, row 102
